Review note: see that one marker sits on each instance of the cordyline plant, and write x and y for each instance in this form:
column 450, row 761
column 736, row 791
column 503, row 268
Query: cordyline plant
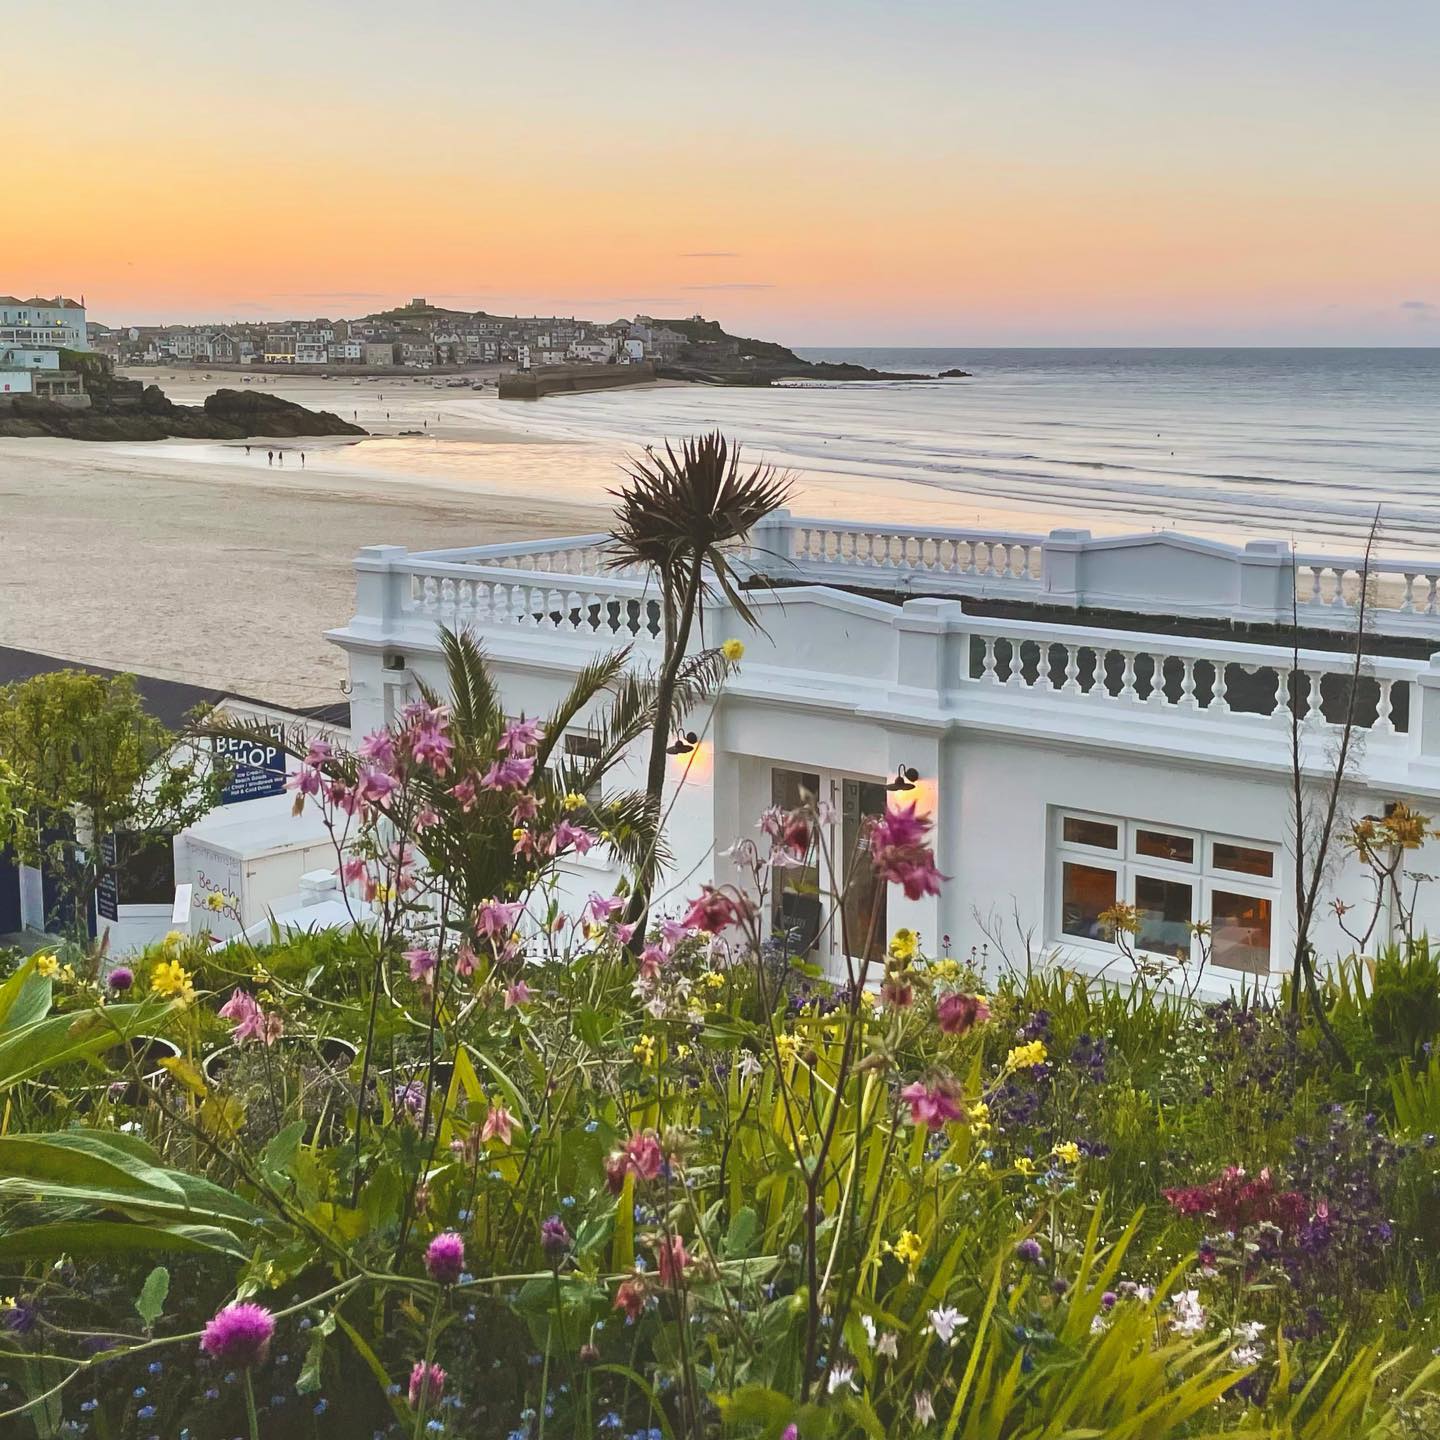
column 561, row 1188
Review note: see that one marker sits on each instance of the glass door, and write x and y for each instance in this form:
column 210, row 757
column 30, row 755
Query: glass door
column 838, row 862
column 796, row 909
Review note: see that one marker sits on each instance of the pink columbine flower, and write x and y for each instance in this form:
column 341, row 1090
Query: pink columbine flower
column 512, row 773
column 430, row 745
column 318, row 752
column 960, row 1014
column 422, row 965
column 427, row 1384
column 565, row 835
column 900, row 854
column 251, row 1022
column 499, row 1121
column 517, row 994
column 240, row 1334
column 519, row 737
column 716, row 910
column 497, row 917
column 640, row 1156
column 305, row 780
column 465, row 793
column 670, row 1253
column 598, row 909
column 465, row 959
column 375, row 786
column 352, row 870
column 445, row 1257
column 933, row 1106
column 379, row 749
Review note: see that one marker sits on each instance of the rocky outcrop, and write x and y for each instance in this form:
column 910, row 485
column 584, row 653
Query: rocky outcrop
column 127, row 410
column 954, row 375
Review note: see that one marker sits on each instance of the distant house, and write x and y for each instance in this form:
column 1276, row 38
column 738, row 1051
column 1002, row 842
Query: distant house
column 379, row 352
column 54, row 324
column 597, row 350
column 347, row 352
column 280, row 347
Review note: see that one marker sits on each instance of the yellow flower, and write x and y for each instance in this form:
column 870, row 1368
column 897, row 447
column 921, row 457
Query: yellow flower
column 67, row 974
column 1068, row 1152
column 47, row 966
column 174, row 937
column 867, row 999
column 572, row 802
column 732, row 650
column 215, row 901
column 681, row 1051
column 714, row 979
column 644, row 1049
column 904, row 944
column 907, row 1249
column 1025, row 1057
column 1025, row 1165
column 518, row 833
column 983, row 1169
column 946, row 969
column 979, row 1118
column 787, row 1045
column 170, row 978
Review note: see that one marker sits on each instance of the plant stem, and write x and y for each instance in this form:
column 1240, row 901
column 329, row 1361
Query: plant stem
column 250, row 1406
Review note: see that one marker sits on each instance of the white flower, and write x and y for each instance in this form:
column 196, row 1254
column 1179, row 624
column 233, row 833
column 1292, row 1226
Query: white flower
column 924, row 1408
column 867, row 1323
column 1187, row 1314
column 1099, row 1325
column 887, row 1344
column 946, row 1321
column 749, row 1065
column 840, row 1377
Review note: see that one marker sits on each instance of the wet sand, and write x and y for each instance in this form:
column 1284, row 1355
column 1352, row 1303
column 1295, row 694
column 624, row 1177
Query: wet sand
column 193, row 561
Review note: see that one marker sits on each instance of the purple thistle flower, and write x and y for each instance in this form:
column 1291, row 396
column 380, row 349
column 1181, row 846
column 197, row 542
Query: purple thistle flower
column 554, row 1238
column 445, row 1259
column 1029, row 1250
column 427, row 1384
column 239, row 1334
column 120, row 979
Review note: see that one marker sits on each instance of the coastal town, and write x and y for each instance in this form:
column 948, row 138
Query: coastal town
column 416, row 336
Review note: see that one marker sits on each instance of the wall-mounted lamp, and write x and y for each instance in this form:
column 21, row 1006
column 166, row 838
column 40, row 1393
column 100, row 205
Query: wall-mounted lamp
column 904, row 781
column 683, row 744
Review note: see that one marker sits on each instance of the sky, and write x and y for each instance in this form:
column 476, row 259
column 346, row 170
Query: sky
column 850, row 172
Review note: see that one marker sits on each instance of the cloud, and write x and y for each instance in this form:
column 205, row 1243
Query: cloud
column 709, row 254
column 1421, row 311
column 732, row 285
column 331, row 295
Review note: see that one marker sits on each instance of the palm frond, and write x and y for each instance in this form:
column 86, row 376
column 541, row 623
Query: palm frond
column 593, row 679
column 474, row 701
column 683, row 508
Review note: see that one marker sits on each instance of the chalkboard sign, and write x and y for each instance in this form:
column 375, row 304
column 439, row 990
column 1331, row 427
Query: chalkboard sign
column 107, row 892
column 257, row 768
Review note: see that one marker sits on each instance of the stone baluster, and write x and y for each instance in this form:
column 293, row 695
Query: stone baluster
column 1187, row 686
column 1384, row 721
column 1072, row 669
column 1220, row 704
column 1127, row 677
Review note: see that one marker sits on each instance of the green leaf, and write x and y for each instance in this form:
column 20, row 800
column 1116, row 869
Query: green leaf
column 153, row 1292
column 278, row 1157
column 308, row 1380
column 91, row 1238
column 24, row 997
column 740, row 1238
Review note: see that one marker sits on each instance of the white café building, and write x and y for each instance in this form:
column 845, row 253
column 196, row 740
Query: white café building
column 1087, row 720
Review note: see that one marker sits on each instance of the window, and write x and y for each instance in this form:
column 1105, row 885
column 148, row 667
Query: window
column 584, row 750
column 1176, row 880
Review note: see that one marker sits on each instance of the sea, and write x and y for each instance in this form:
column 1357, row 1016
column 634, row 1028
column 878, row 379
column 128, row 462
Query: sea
column 1311, row 445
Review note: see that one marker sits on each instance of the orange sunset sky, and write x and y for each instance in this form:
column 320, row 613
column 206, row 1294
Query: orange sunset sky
column 1027, row 172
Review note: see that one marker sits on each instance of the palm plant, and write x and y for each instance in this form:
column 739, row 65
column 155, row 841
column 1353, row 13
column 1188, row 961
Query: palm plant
column 676, row 514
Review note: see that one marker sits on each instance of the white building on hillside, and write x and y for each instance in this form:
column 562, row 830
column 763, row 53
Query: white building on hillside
column 1088, row 721
column 47, row 324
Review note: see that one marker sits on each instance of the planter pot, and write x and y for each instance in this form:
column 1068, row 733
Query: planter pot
column 145, row 1050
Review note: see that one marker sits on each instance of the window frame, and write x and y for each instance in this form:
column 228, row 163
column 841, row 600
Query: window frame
column 1126, row 862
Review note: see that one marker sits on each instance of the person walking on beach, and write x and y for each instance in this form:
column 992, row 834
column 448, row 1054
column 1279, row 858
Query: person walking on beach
column 247, row 449
column 302, row 459
column 282, row 458
column 270, row 457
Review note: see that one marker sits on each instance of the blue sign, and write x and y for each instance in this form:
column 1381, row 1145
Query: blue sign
column 257, row 768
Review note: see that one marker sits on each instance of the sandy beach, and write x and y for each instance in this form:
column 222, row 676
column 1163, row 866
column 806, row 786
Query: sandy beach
column 196, row 562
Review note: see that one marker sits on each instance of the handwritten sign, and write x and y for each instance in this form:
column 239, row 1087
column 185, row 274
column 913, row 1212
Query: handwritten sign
column 107, row 892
